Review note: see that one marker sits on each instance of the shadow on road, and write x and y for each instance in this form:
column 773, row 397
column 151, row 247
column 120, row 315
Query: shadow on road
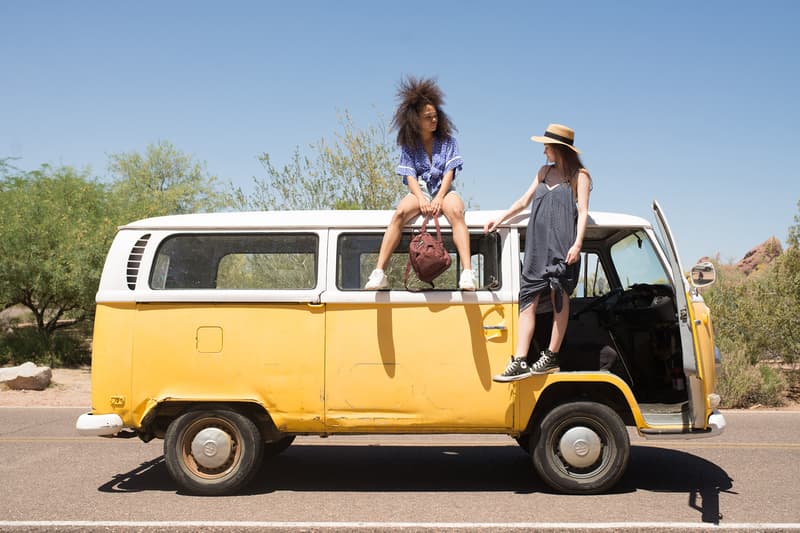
column 454, row 469
column 665, row 470
column 399, row 468
column 151, row 475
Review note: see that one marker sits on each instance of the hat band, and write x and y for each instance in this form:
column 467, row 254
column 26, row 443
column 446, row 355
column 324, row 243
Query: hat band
column 566, row 140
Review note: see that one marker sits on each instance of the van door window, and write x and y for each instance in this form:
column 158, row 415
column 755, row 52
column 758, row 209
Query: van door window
column 357, row 254
column 636, row 261
column 593, row 280
column 239, row 261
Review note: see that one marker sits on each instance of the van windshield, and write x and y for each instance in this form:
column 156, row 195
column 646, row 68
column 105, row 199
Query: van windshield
column 636, row 261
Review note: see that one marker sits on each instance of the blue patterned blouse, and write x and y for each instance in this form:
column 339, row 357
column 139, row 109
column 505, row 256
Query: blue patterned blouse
column 414, row 162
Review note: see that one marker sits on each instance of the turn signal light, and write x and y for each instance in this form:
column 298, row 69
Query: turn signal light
column 714, row 400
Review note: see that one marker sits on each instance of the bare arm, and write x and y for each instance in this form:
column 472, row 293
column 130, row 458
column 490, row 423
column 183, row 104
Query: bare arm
column 436, row 202
column 523, row 202
column 584, row 186
column 414, row 188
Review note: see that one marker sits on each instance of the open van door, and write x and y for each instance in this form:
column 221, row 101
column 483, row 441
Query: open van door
column 691, row 359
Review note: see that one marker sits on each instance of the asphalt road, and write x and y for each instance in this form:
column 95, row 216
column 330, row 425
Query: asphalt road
column 53, row 479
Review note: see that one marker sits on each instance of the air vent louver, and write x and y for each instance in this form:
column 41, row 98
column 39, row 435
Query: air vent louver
column 135, row 260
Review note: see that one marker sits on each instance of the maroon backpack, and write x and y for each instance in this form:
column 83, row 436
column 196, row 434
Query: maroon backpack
column 427, row 254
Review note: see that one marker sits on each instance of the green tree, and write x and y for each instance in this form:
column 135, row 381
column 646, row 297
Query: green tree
column 354, row 171
column 55, row 228
column 794, row 231
column 5, row 167
column 779, row 303
column 163, row 181
column 759, row 315
column 727, row 300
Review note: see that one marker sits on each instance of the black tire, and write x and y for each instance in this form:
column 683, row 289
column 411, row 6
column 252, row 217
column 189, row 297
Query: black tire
column 581, row 448
column 271, row 449
column 212, row 451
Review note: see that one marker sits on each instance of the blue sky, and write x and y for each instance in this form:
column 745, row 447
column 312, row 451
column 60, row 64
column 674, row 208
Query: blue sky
column 691, row 103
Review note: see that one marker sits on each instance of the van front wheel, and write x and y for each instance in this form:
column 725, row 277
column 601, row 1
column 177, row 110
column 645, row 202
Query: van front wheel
column 275, row 447
column 212, row 451
column 581, row 448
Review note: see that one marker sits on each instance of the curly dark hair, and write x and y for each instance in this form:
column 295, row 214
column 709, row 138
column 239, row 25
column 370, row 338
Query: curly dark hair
column 414, row 94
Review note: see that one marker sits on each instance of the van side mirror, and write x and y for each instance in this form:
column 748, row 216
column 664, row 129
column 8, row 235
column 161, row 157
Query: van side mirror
column 703, row 274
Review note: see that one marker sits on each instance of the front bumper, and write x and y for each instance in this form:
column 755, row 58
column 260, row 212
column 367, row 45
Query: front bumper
column 716, row 425
column 98, row 425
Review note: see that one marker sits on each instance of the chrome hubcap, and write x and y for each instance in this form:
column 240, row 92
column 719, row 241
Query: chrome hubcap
column 580, row 447
column 211, row 448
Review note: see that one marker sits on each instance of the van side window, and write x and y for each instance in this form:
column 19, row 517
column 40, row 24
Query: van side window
column 357, row 254
column 236, row 261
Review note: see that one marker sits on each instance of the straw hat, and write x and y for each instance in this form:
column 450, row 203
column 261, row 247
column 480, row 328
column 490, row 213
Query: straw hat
column 557, row 134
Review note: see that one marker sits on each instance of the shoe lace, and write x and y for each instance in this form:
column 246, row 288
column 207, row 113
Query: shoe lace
column 543, row 362
column 512, row 367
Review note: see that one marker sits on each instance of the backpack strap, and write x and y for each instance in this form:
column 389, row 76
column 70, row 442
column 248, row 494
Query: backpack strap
column 438, row 228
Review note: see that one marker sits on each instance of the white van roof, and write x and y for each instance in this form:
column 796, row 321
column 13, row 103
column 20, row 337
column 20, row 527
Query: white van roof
column 345, row 219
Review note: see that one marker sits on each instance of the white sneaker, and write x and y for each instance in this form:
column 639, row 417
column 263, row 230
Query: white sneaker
column 377, row 280
column 466, row 282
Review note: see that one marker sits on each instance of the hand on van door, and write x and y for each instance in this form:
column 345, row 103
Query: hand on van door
column 492, row 225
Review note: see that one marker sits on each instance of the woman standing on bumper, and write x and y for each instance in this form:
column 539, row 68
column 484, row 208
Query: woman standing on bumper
column 429, row 160
column 560, row 195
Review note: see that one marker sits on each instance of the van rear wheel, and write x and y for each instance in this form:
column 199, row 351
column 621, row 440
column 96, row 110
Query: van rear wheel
column 581, row 448
column 212, row 451
column 524, row 441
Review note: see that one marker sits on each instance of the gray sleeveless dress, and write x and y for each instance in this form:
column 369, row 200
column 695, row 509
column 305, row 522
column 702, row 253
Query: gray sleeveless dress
column 552, row 229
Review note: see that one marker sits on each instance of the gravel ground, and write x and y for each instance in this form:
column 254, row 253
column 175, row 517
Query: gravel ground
column 70, row 387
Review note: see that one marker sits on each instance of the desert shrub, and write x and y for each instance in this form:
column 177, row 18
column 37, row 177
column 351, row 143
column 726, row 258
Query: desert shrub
column 742, row 384
column 759, row 313
column 22, row 344
column 773, row 386
column 780, row 298
column 70, row 349
column 65, row 348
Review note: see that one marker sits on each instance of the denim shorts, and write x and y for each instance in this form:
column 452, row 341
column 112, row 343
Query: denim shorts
column 423, row 186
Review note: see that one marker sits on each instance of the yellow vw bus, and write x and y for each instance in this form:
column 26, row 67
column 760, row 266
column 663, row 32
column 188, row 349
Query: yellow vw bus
column 229, row 334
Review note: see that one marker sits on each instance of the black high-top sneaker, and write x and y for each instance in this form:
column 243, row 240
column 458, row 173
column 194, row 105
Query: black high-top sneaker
column 516, row 369
column 547, row 363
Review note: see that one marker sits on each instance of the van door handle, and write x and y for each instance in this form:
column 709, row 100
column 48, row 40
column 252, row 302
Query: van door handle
column 494, row 333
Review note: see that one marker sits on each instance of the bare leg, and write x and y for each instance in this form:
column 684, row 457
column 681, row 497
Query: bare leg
column 525, row 328
column 559, row 322
column 519, row 367
column 407, row 209
column 453, row 209
column 548, row 360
